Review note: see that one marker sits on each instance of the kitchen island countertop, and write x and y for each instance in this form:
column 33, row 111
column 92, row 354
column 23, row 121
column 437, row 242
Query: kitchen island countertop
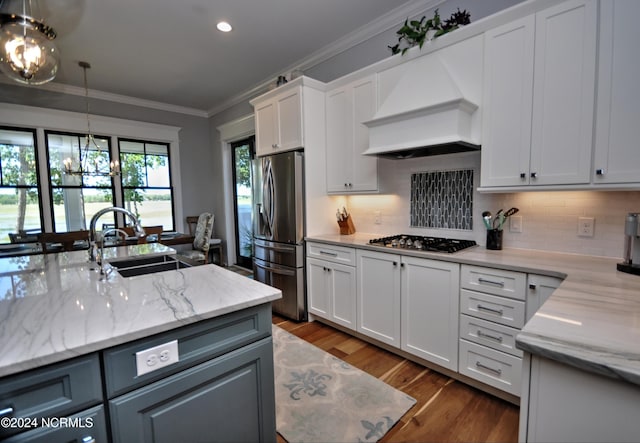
column 592, row 321
column 54, row 307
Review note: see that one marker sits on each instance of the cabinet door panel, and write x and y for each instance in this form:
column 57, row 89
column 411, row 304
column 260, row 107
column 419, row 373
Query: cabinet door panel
column 618, row 105
column 266, row 128
column 508, row 97
column 430, row 300
column 318, row 297
column 365, row 168
column 290, row 120
column 378, row 288
column 342, row 282
column 564, row 88
column 339, row 134
column 225, row 399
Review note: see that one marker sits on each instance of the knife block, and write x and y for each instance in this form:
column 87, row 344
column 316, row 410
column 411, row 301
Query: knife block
column 346, row 226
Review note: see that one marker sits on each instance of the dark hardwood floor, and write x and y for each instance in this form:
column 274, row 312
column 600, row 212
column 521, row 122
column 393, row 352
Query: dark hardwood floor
column 446, row 410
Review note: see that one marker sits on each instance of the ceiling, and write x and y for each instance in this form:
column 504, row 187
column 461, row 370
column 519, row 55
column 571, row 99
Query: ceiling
column 171, row 52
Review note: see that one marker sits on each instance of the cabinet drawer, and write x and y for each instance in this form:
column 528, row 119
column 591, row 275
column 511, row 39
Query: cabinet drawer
column 493, row 335
column 196, row 343
column 332, row 253
column 57, row 390
column 87, row 426
column 502, row 310
column 495, row 368
column 494, row 281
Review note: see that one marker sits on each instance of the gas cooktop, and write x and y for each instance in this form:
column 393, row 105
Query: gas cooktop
column 419, row 243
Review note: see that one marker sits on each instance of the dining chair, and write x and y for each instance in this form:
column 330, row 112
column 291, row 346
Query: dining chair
column 65, row 241
column 149, row 231
column 202, row 235
column 215, row 244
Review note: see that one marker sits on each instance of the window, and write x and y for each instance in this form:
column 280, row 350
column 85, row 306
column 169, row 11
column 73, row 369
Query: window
column 20, row 211
column 146, row 182
column 75, row 199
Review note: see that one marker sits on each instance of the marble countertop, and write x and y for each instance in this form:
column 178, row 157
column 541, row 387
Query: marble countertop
column 54, row 307
column 592, row 321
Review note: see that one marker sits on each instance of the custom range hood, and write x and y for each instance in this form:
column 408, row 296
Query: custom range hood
column 422, row 111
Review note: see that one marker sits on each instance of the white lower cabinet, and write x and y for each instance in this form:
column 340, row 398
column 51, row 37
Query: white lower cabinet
column 378, row 301
column 494, row 305
column 410, row 303
column 571, row 405
column 331, row 284
column 429, row 310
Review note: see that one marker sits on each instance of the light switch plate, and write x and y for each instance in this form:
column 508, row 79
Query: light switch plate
column 157, row 357
column 515, row 223
column 586, row 226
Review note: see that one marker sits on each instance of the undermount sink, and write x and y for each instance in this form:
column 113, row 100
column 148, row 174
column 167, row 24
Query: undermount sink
column 147, row 265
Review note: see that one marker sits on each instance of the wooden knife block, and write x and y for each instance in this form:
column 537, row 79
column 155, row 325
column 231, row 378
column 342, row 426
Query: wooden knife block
column 346, row 226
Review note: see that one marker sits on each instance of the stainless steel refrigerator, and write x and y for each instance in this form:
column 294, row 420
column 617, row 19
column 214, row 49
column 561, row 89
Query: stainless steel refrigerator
column 278, row 229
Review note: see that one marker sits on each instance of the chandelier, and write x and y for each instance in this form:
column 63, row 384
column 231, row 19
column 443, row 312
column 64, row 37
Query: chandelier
column 27, row 52
column 91, row 165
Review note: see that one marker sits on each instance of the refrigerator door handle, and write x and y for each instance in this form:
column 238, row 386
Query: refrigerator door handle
column 268, row 198
column 276, row 270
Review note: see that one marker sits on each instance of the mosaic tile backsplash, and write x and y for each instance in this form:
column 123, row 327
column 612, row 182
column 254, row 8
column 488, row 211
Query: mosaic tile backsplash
column 442, row 199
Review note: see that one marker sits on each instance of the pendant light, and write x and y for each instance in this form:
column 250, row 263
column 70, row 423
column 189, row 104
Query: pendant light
column 27, row 52
column 100, row 157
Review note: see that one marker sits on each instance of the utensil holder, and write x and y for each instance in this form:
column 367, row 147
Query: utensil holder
column 494, row 239
column 346, row 226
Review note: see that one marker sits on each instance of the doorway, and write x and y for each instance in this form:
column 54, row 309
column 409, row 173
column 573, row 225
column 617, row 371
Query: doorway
column 242, row 153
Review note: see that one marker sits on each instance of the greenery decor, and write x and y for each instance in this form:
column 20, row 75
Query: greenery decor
column 416, row 32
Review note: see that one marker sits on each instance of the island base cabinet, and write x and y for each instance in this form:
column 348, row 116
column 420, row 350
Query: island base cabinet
column 87, row 426
column 229, row 398
column 570, row 405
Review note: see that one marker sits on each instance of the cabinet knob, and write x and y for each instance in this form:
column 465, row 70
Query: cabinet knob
column 402, row 265
column 346, row 185
column 395, row 263
column 600, row 171
column 534, row 175
column 532, row 286
column 350, row 185
column 523, row 175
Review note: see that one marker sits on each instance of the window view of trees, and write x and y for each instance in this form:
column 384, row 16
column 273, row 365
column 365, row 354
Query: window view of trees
column 145, row 178
column 146, row 182
column 19, row 200
column 77, row 198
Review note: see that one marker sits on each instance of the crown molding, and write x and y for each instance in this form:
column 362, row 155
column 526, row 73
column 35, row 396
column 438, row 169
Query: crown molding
column 390, row 20
column 107, row 96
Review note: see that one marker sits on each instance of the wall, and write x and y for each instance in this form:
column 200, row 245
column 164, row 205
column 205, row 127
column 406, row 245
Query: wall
column 550, row 219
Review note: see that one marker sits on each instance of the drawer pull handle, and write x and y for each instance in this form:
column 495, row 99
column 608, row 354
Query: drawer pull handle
column 493, row 311
column 488, row 368
column 331, row 254
column 88, row 439
column 6, row 412
column 489, row 336
column 491, row 282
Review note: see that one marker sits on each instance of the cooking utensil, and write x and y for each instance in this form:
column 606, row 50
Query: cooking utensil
column 497, row 218
column 486, row 218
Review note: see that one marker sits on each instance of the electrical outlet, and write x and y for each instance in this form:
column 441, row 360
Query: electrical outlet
column 377, row 217
column 586, row 226
column 157, row 357
column 515, row 223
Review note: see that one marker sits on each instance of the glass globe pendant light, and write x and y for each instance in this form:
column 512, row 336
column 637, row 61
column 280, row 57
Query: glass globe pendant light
column 27, row 52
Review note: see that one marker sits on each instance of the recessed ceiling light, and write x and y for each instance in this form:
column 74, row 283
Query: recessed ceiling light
column 224, row 27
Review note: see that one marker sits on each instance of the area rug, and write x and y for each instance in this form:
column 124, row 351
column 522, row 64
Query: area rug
column 320, row 398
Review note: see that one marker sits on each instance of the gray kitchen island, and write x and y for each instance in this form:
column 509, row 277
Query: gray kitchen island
column 180, row 355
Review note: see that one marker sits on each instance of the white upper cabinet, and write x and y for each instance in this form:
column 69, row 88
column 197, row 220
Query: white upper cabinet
column 617, row 154
column 539, row 98
column 347, row 138
column 279, row 122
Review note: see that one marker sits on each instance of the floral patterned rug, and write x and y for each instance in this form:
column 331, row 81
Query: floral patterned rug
column 320, row 398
